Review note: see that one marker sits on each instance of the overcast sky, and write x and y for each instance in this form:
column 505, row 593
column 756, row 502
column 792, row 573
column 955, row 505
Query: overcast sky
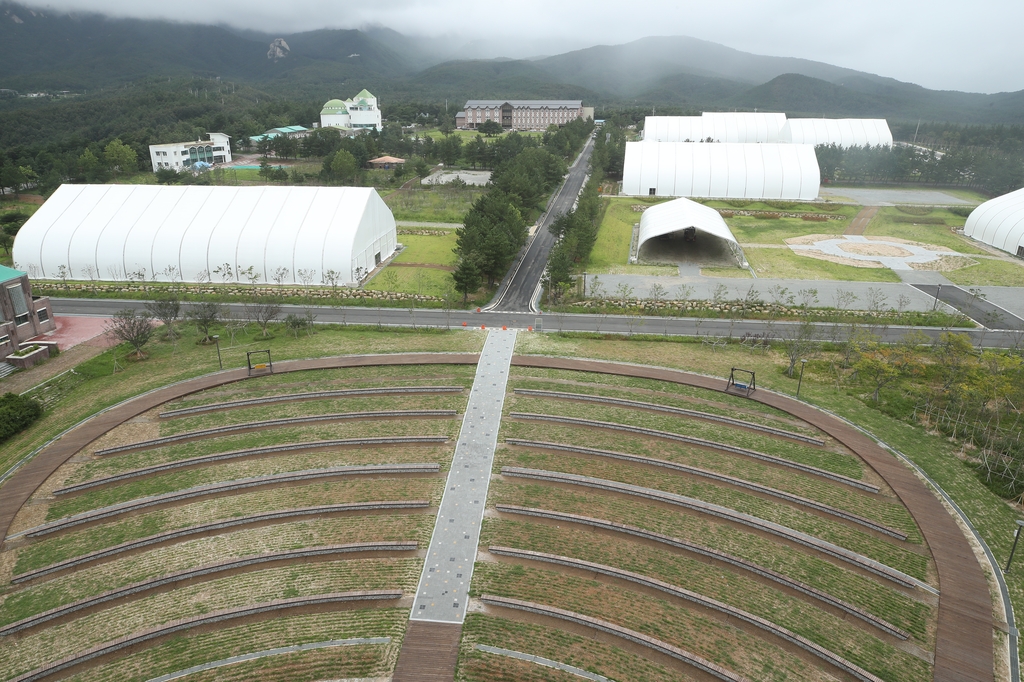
column 971, row 45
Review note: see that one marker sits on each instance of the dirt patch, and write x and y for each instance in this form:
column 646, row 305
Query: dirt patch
column 880, row 249
column 820, row 255
column 812, row 238
column 945, row 264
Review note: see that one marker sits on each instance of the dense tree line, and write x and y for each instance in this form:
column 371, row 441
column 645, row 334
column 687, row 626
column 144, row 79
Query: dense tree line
column 576, row 232
column 984, row 168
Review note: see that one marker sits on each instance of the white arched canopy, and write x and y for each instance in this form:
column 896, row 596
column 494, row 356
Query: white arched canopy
column 111, row 232
column 844, row 132
column 734, row 171
column 677, row 215
column 999, row 222
column 719, row 126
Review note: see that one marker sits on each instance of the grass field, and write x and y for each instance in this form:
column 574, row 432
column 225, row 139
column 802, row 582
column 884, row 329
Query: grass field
column 784, row 264
column 754, row 230
column 989, row 272
column 428, row 249
column 440, row 204
column 420, row 281
column 891, row 222
column 611, row 250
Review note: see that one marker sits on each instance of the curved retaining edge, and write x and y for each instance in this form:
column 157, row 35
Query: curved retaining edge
column 23, row 478
column 228, row 486
column 214, row 527
column 702, row 507
column 270, row 424
column 740, row 482
column 188, row 623
column 707, row 416
column 253, row 452
column 316, row 395
column 829, row 657
column 694, row 660
column 574, row 421
column 717, row 555
column 208, row 570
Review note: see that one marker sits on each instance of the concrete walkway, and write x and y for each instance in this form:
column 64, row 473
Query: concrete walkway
column 443, row 590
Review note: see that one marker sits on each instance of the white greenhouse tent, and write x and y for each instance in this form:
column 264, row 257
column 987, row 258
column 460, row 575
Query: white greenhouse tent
column 109, row 232
column 719, row 126
column 733, row 171
column 844, row 132
column 999, row 222
column 673, row 216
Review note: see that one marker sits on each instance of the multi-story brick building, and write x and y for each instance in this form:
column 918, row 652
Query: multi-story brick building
column 522, row 114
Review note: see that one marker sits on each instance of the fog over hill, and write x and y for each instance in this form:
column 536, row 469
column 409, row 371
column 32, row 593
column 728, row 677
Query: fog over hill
column 52, row 50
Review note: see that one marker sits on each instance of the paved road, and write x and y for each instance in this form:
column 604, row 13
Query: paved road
column 974, row 307
column 519, row 286
column 613, row 324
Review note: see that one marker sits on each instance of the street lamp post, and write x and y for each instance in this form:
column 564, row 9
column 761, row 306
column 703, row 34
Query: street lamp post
column 800, row 382
column 216, row 340
column 938, row 290
column 1016, row 537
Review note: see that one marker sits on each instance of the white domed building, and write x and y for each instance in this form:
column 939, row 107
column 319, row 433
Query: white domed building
column 359, row 113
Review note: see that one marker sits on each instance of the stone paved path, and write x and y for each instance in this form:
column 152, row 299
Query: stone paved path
column 442, row 592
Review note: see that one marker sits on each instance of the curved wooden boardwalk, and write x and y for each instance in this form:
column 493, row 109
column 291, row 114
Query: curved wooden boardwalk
column 19, row 488
column 963, row 639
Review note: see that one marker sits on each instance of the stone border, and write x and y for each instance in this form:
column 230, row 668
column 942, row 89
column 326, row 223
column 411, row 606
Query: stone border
column 717, row 555
column 700, row 442
column 739, row 482
column 726, row 514
column 672, row 410
column 707, row 602
column 964, row 632
column 399, row 390
column 297, row 648
column 661, row 647
column 142, row 587
column 546, row 662
column 214, row 527
column 272, row 423
column 253, row 452
column 207, row 619
column 115, row 510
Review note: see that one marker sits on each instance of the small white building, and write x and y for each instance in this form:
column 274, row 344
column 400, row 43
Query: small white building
column 179, row 156
column 359, row 113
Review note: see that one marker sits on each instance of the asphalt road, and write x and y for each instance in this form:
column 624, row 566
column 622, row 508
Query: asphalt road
column 551, row 322
column 975, row 307
column 517, row 289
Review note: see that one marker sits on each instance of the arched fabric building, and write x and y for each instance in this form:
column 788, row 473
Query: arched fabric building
column 664, row 219
column 719, row 126
column 735, row 171
column 845, row 132
column 999, row 222
column 107, row 232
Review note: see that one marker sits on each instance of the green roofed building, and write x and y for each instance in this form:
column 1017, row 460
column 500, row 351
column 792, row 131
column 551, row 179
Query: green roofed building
column 359, row 113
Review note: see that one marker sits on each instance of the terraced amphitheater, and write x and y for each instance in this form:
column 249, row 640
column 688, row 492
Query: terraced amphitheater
column 479, row 517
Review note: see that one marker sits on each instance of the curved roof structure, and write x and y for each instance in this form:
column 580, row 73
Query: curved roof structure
column 334, row 106
column 171, row 232
column 999, row 222
column 676, row 215
column 735, row 171
column 845, row 132
column 719, row 126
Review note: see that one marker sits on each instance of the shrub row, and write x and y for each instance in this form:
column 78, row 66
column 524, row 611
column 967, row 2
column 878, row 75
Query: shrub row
column 17, row 413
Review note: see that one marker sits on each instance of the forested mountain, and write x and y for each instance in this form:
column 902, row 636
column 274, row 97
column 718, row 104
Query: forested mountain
column 51, row 51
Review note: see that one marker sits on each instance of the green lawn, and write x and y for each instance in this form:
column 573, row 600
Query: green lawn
column 615, row 235
column 884, row 224
column 784, row 264
column 423, row 281
column 755, row 230
column 989, row 273
column 428, row 249
column 441, row 204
